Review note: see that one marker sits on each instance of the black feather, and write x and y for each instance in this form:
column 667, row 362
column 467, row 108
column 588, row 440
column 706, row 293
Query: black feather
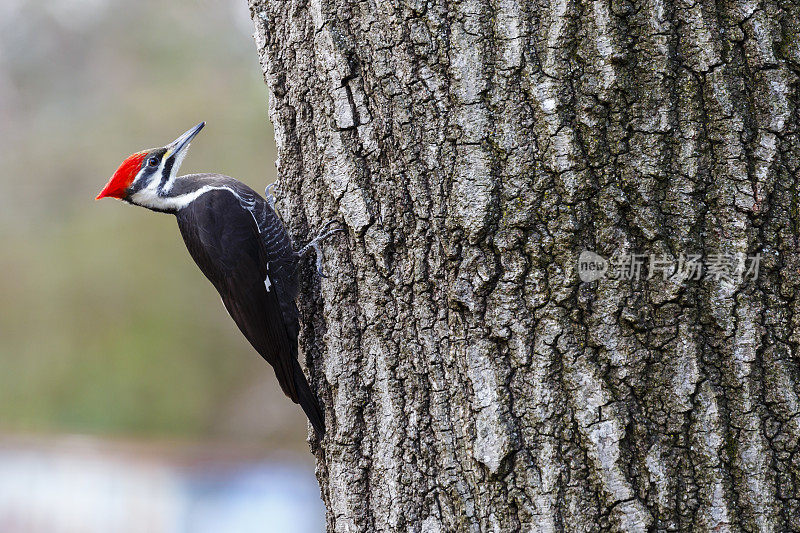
column 237, row 240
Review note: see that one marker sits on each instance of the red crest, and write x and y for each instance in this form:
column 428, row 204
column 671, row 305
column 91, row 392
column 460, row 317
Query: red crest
column 123, row 177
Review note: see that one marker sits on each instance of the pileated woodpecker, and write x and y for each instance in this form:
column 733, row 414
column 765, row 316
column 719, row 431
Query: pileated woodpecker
column 240, row 244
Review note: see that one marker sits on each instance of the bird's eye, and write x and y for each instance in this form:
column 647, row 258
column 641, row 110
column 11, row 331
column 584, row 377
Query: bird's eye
column 153, row 162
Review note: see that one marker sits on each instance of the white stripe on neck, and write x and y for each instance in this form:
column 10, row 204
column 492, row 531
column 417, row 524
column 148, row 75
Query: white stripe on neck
column 174, row 170
column 152, row 200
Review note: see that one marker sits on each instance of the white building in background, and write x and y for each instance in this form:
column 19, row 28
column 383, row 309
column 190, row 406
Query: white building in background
column 87, row 489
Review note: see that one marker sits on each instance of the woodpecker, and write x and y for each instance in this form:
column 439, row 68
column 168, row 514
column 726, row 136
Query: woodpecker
column 240, row 244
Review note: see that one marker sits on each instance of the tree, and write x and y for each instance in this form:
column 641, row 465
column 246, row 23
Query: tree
column 473, row 149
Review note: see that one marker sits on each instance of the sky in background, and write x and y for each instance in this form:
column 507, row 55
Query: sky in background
column 106, row 325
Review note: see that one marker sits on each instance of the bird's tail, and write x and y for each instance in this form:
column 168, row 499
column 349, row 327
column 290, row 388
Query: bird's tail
column 308, row 401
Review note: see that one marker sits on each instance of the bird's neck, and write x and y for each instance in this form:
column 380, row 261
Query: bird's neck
column 183, row 192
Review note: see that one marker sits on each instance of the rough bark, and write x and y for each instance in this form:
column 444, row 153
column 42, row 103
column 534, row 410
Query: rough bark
column 473, row 149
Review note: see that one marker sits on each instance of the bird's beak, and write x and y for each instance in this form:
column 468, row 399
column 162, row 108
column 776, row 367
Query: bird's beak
column 182, row 142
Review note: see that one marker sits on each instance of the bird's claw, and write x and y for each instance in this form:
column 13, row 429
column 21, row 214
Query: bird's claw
column 315, row 245
column 320, row 257
column 268, row 194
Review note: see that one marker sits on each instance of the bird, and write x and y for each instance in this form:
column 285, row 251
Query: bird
column 240, row 244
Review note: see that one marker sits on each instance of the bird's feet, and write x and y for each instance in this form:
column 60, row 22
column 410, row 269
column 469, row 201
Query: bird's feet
column 268, row 195
column 315, row 246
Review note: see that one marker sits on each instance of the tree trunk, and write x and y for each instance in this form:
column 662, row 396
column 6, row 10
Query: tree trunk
column 471, row 380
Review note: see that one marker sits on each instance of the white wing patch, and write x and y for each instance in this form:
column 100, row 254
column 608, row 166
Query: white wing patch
column 267, row 282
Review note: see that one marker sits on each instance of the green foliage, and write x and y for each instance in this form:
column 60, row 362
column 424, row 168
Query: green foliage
column 105, row 323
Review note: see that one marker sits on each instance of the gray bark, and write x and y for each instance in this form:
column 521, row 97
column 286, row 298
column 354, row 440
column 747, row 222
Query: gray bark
column 473, row 149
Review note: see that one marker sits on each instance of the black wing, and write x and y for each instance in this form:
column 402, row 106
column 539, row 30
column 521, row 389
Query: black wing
column 224, row 241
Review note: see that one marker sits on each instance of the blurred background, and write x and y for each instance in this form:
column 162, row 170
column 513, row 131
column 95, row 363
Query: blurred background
column 129, row 401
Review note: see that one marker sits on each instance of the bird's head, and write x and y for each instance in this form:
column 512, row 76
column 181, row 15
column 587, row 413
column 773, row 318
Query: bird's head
column 147, row 175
